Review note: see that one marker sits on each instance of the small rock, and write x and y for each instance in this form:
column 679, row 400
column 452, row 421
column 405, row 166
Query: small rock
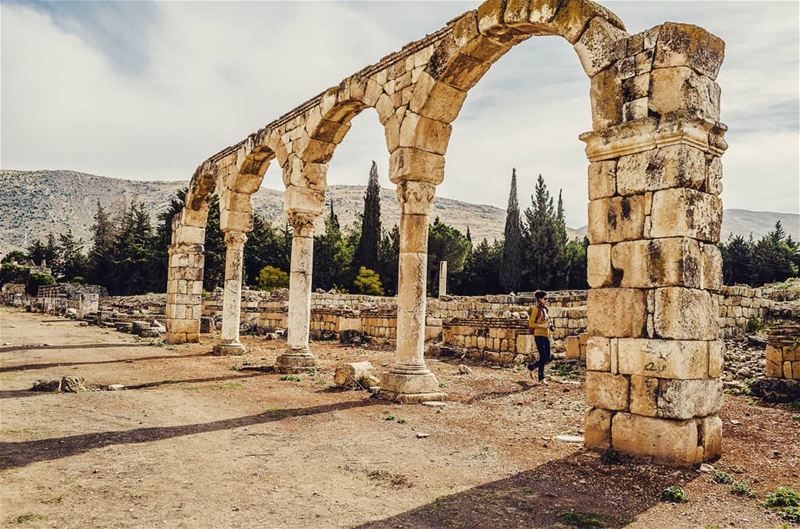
column 115, row 387
column 464, row 369
column 422, row 435
column 47, row 385
column 735, row 422
column 434, row 404
column 72, row 384
column 706, row 468
column 570, row 438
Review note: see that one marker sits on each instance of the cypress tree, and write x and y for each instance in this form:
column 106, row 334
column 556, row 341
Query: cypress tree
column 511, row 258
column 100, row 265
column 367, row 250
column 539, row 239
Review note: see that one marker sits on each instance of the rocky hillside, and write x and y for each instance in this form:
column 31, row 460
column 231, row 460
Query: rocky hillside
column 35, row 203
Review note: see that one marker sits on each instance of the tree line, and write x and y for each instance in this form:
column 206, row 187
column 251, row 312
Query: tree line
column 128, row 252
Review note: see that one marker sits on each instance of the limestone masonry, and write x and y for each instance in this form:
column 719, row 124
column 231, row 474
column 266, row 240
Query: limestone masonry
column 654, row 179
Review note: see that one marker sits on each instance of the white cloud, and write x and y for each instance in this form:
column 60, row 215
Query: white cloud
column 210, row 73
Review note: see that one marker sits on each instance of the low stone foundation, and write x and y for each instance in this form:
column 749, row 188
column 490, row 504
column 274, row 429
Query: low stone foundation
column 783, row 352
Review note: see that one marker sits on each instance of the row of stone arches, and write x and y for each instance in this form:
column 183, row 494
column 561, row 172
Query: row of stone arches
column 654, row 212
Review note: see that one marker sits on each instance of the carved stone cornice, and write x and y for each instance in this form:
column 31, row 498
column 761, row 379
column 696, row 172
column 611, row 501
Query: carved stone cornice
column 415, row 197
column 649, row 133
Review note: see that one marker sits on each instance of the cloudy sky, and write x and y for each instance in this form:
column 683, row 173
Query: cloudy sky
column 147, row 91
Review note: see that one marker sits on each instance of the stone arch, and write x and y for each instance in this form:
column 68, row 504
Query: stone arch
column 654, row 209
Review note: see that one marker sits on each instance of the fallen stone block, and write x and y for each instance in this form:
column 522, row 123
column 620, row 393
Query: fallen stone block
column 354, row 374
column 137, row 326
column 72, row 384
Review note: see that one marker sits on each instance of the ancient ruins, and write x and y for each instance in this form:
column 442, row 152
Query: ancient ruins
column 654, row 181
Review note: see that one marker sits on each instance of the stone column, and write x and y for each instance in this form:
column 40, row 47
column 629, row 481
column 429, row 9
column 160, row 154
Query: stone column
column 297, row 356
column 232, row 295
column 653, row 356
column 442, row 279
column 408, row 379
column 185, row 279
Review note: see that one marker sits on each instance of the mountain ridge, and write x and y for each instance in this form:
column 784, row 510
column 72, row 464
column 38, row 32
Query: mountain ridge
column 35, row 203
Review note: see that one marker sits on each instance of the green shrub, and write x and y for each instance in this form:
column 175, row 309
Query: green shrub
column 610, row 457
column 740, row 488
column 368, row 282
column 674, row 494
column 37, row 279
column 722, row 477
column 270, row 278
column 786, row 501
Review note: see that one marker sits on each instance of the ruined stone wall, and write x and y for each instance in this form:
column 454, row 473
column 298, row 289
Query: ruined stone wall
column 738, row 306
column 783, row 352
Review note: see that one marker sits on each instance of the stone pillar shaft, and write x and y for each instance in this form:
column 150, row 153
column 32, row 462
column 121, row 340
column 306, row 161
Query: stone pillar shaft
column 442, row 279
column 297, row 356
column 232, row 294
column 408, row 379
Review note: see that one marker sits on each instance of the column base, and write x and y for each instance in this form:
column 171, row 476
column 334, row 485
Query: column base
column 295, row 361
column 228, row 349
column 410, row 388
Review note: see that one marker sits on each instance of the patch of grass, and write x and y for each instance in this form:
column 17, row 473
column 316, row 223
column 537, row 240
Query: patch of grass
column 740, row 488
column 786, row 501
column 795, row 404
column 28, row 517
column 55, row 500
column 291, row 378
column 755, row 324
column 611, row 457
column 389, row 418
column 722, row 477
column 583, row 520
column 674, row 494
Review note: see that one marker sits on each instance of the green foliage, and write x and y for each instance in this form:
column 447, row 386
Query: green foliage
column 14, row 255
column 388, row 253
column 367, row 250
column 37, row 279
column 583, row 520
column 611, row 457
column 786, row 501
column 481, row 271
column 545, row 239
column 270, row 278
column 511, row 257
column 333, row 256
column 291, row 378
column 368, row 282
column 674, row 494
column 445, row 243
column 11, row 273
column 773, row 258
column 722, row 477
column 740, row 488
column 266, row 246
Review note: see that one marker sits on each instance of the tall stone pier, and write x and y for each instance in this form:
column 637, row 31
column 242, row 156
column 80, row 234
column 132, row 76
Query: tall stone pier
column 654, row 358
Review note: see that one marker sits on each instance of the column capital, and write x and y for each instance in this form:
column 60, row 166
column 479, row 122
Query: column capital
column 235, row 238
column 302, row 223
column 415, row 197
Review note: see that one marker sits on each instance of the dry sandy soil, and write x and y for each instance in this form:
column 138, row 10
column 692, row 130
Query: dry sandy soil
column 195, row 443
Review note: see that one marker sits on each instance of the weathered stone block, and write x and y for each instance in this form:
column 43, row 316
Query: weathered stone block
column 710, row 437
column 596, row 49
column 597, row 429
column 572, row 346
column 711, row 269
column 606, row 99
column 713, row 175
column 617, row 312
column 406, row 163
column 665, row 440
column 598, row 353
column 663, row 358
column 688, row 45
column 666, row 167
column 684, row 399
column 599, row 273
column 644, row 395
column 607, row 391
column 572, row 16
column 686, row 213
column 424, row 133
column 715, row 358
column 616, row 219
column 683, row 90
column 436, row 100
column 602, row 179
column 657, row 262
column 685, row 314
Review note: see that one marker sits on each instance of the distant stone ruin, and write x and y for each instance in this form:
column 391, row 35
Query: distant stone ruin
column 654, row 176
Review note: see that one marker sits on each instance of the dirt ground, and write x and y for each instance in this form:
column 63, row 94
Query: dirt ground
column 196, row 442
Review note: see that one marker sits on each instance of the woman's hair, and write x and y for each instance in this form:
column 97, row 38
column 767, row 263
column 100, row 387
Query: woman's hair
column 539, row 294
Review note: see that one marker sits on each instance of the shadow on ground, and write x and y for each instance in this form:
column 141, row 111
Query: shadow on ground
column 35, row 347
column 48, row 365
column 576, row 491
column 23, row 453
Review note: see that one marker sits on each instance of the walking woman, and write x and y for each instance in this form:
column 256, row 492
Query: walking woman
column 541, row 326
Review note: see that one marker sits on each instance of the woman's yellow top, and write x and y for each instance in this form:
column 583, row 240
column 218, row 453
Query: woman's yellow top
column 538, row 316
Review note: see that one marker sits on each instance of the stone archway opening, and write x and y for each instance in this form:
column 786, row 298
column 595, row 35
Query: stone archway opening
column 654, row 180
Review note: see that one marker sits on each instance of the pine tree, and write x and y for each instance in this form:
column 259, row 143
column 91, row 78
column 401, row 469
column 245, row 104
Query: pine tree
column 215, row 249
column 737, row 260
column 543, row 241
column 100, row 255
column 511, row 260
column 481, row 271
column 332, row 255
column 367, row 250
column 445, row 243
column 265, row 246
column 72, row 263
column 389, row 252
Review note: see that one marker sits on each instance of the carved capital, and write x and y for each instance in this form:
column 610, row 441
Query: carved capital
column 235, row 239
column 415, row 197
column 302, row 223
